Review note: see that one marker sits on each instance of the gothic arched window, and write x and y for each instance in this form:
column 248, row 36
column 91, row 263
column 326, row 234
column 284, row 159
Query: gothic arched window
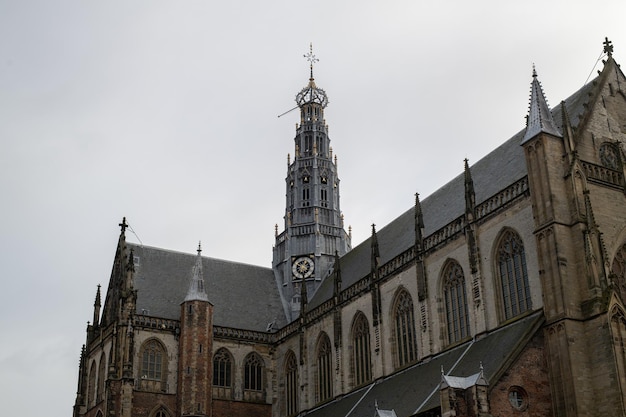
column 361, row 360
column 253, row 372
column 511, row 264
column 609, row 155
column 91, row 385
column 618, row 335
column 455, row 299
column 153, row 361
column 161, row 412
column 291, row 383
column 101, row 373
column 404, row 319
column 324, row 368
column 222, row 368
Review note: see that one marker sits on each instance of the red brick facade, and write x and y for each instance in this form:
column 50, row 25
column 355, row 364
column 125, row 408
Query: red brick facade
column 223, row 408
column 528, row 372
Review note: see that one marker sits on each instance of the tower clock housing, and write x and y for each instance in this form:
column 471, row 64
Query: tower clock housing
column 304, row 252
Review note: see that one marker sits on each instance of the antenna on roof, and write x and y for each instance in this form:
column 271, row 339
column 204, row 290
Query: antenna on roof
column 131, row 229
column 288, row 111
column 606, row 50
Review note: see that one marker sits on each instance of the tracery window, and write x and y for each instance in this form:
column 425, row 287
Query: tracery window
column 361, row 360
column 618, row 336
column 253, row 372
column 101, row 373
column 609, row 155
column 222, row 368
column 455, row 300
column 324, row 369
column 514, row 286
column 91, row 385
column 404, row 319
column 161, row 412
column 152, row 360
column 291, row 383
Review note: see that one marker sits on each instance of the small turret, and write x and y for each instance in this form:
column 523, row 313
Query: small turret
column 420, row 267
column 375, row 252
column 96, row 308
column 470, row 195
column 539, row 117
column 195, row 365
column 337, row 276
column 374, row 288
column 196, row 286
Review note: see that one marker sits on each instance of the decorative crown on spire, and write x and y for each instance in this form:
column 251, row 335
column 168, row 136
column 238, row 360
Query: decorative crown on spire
column 311, row 93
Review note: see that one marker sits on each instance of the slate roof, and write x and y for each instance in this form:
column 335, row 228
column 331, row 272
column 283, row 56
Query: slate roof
column 416, row 389
column 497, row 170
column 244, row 296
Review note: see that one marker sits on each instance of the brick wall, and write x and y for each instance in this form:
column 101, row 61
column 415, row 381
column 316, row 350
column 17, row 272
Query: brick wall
column 224, row 408
column 529, row 372
column 146, row 402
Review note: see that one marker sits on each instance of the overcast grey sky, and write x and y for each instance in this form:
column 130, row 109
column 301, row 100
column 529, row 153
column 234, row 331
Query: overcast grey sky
column 166, row 112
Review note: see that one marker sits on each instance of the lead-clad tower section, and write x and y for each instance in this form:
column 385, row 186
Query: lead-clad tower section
column 304, row 252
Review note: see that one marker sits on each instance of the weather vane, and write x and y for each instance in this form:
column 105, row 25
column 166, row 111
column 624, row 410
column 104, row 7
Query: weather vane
column 311, row 58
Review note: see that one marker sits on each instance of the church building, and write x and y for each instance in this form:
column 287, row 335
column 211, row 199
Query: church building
column 501, row 294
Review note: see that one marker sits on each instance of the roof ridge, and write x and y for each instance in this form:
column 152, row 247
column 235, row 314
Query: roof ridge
column 179, row 252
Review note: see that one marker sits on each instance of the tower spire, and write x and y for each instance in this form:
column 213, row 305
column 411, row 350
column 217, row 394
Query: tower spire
column 539, row 117
column 196, row 286
column 304, row 252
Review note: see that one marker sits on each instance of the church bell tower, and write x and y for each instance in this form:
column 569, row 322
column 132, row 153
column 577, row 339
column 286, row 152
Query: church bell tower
column 304, row 252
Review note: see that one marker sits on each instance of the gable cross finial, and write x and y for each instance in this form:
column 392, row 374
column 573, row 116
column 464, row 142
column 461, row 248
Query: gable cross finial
column 311, row 58
column 608, row 47
column 123, row 225
column 199, row 250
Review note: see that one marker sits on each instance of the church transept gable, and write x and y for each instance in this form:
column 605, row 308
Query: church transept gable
column 112, row 308
column 602, row 118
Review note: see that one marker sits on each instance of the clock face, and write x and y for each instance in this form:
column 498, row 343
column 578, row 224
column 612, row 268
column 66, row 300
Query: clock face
column 302, row 267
